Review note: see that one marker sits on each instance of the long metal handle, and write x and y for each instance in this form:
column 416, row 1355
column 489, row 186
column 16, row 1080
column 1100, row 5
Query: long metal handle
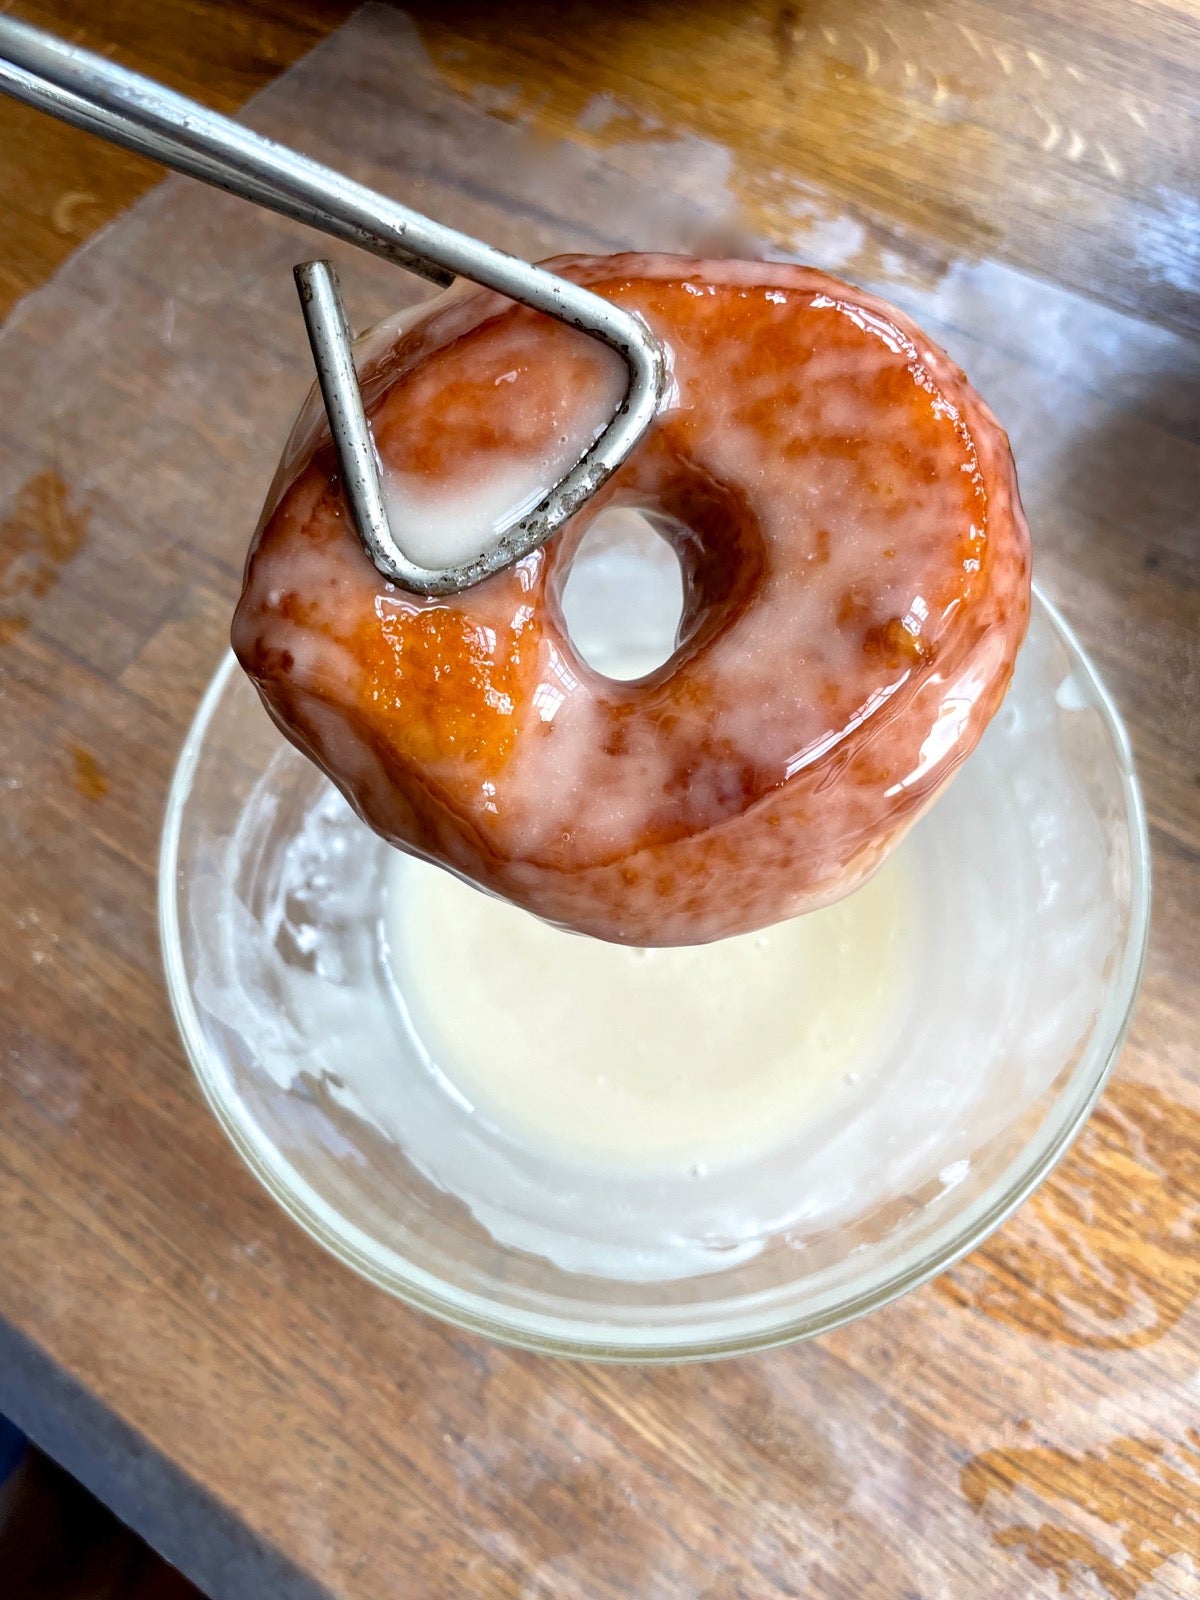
column 133, row 111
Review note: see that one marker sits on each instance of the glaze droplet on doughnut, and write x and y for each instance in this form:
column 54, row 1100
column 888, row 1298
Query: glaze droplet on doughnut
column 856, row 574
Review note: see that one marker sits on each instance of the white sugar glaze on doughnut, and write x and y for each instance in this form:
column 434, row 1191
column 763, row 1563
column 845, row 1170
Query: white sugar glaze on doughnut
column 440, row 525
column 856, row 586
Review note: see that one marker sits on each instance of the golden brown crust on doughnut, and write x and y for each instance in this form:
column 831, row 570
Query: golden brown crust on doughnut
column 856, row 570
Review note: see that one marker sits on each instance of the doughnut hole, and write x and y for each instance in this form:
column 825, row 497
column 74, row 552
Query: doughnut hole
column 623, row 597
column 648, row 581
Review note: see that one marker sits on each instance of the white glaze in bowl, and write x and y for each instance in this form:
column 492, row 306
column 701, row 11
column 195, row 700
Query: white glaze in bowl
column 1029, row 924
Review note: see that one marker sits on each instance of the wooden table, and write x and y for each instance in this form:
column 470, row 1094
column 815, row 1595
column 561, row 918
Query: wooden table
column 1027, row 1425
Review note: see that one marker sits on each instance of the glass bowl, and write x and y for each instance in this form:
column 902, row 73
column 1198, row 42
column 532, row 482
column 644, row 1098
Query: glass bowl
column 1028, row 896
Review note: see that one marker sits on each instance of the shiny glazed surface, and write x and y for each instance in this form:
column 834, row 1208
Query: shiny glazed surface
column 1022, row 1428
column 856, row 574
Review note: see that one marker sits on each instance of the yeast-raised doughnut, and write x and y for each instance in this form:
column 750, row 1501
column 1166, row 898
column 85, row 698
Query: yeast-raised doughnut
column 856, row 568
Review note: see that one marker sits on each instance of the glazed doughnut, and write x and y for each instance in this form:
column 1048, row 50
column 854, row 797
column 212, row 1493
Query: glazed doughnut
column 845, row 512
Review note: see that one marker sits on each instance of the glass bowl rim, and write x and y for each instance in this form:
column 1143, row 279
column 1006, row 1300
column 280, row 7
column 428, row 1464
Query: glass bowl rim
column 563, row 1336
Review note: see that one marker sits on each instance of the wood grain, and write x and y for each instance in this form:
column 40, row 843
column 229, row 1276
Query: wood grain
column 1060, row 137
column 58, row 184
column 1023, row 1427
